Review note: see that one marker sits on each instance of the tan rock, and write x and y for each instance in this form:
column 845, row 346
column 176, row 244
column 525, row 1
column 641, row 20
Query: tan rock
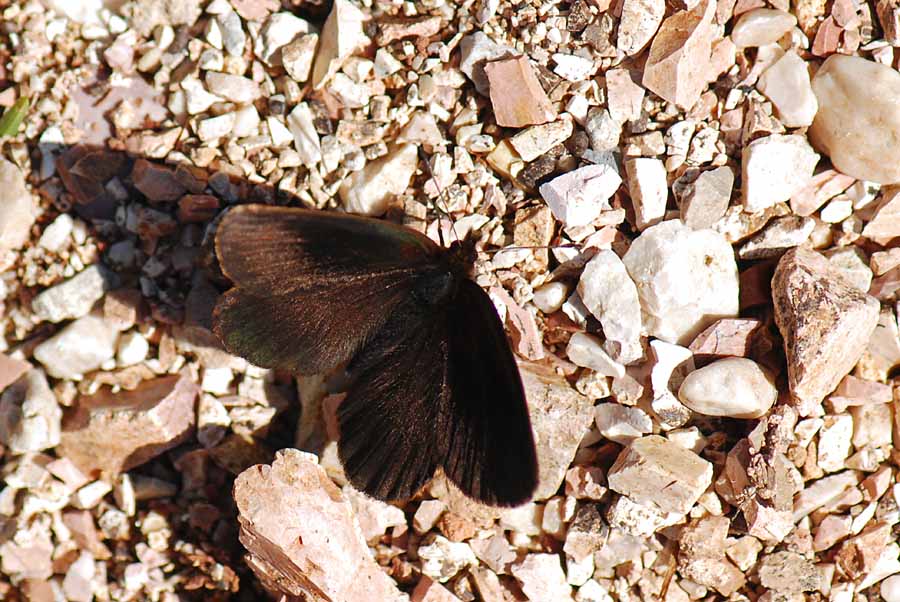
column 10, row 370
column 654, row 471
column 370, row 190
column 298, row 527
column 701, row 555
column 885, row 223
column 853, row 391
column 703, row 201
column 516, row 94
column 825, row 322
column 788, row 572
column 648, row 188
column 676, row 67
column 857, row 97
column 640, row 20
column 341, row 35
column 146, row 422
column 822, row 187
column 429, row 590
column 560, row 417
column 536, row 140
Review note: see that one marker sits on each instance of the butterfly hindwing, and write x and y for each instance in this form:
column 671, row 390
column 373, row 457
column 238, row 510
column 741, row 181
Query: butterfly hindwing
column 294, row 272
column 392, row 416
column 488, row 446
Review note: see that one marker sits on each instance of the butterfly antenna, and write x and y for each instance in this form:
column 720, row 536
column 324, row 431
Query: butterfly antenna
column 441, row 211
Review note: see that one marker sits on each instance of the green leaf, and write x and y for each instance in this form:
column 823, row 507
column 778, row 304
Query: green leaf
column 13, row 116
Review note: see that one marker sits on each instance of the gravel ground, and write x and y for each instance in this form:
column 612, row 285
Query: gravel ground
column 687, row 216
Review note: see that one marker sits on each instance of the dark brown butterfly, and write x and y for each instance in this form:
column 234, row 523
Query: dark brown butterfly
column 433, row 380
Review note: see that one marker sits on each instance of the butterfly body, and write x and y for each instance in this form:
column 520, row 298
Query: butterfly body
column 433, row 381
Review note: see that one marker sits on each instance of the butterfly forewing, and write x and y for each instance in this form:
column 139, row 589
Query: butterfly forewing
column 489, row 446
column 311, row 287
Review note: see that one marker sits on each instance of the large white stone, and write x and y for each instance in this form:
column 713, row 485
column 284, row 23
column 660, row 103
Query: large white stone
column 858, row 122
column 609, row 293
column 736, row 387
column 686, row 280
column 774, row 168
column 786, row 83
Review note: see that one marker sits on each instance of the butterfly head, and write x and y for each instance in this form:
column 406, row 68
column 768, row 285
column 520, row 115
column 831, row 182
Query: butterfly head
column 463, row 255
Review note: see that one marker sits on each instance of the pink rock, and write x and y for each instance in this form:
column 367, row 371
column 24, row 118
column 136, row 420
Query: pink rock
column 853, row 391
column 677, row 66
column 701, row 556
column 114, row 432
column 516, row 94
column 858, row 555
column 429, row 590
column 10, row 370
column 586, row 482
column 84, row 532
column 525, row 334
column 624, row 96
column 823, row 186
column 302, row 536
column 827, row 38
column 728, row 336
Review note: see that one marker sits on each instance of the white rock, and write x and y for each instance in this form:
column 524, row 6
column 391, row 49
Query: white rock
column 131, row 349
column 212, row 421
column 17, row 208
column 374, row 516
column 278, row 132
column 761, row 26
column 550, row 297
column 279, row 30
column 236, row 88
column 30, row 417
column 341, row 35
column 622, row 423
column 735, row 387
column 542, row 578
column 648, row 188
column 197, row 97
column 571, row 67
column 608, row 292
column 578, row 197
column 669, row 359
column 856, row 98
column 835, row 441
column 853, row 265
column 592, row 592
column 370, row 190
column 686, row 280
column 246, row 122
column 786, row 83
column 86, row 12
column 442, row 559
column 298, row 55
column 427, row 514
column 890, row 589
column 56, row 235
column 78, row 348
column 585, row 350
column 640, row 20
column 774, row 168
column 214, row 128
column 306, row 138
column 836, row 210
column 77, row 582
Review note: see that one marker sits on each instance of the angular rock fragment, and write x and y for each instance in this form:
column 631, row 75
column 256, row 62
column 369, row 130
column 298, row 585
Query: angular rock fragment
column 542, row 577
column 786, row 83
column 728, row 336
column 701, row 555
column 611, row 296
column 781, row 234
column 114, row 432
column 341, row 35
column 656, row 472
column 17, row 208
column 825, row 322
column 76, row 296
column 297, row 527
column 885, row 223
column 82, row 346
column 30, row 417
column 703, row 202
column 788, row 572
column 761, row 26
column 640, row 20
column 676, row 67
column 578, row 197
column 648, row 188
column 370, row 190
column 516, row 94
